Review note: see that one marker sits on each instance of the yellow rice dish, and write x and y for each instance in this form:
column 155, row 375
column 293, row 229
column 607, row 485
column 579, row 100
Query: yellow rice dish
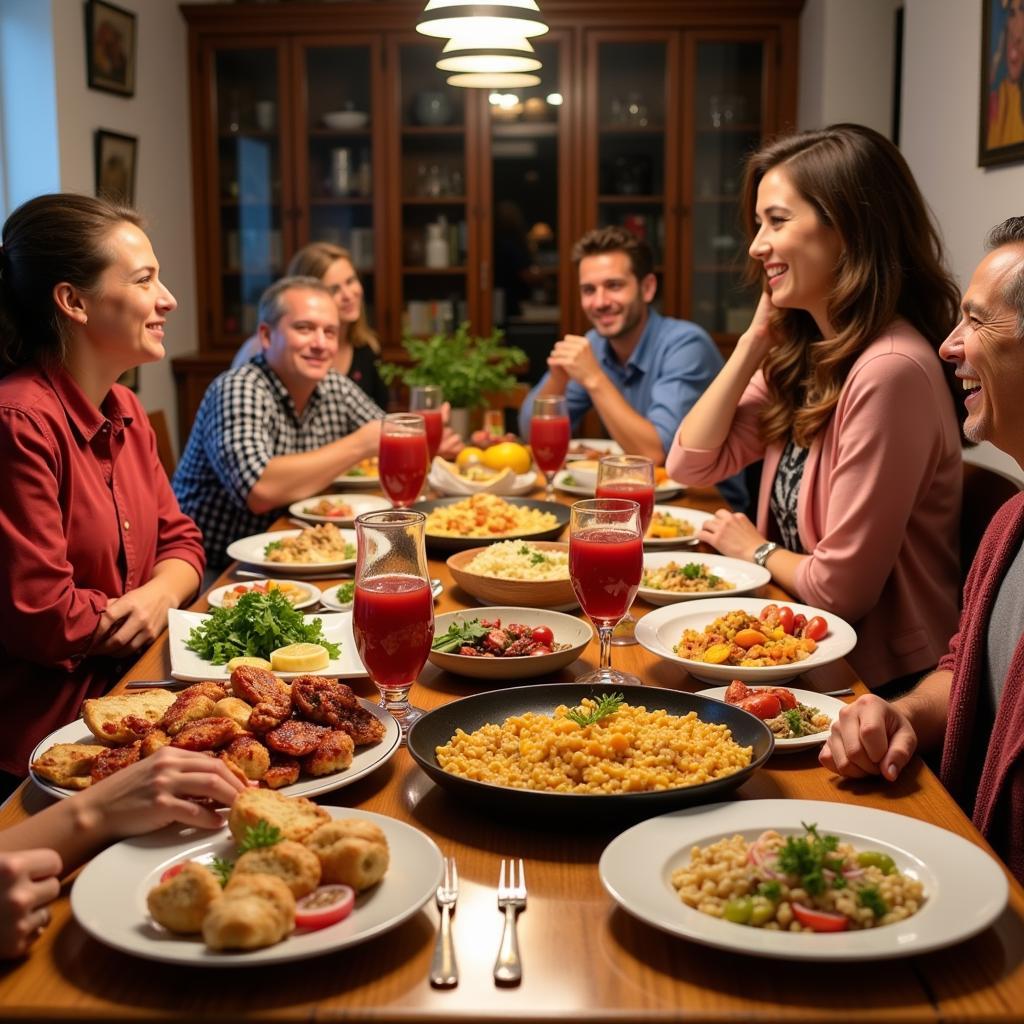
column 487, row 515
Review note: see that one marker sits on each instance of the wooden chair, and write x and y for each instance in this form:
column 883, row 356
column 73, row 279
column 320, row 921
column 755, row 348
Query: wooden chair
column 985, row 490
column 158, row 421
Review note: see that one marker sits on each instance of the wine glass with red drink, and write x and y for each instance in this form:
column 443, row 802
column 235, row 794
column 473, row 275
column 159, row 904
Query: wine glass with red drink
column 606, row 560
column 393, row 607
column 426, row 400
column 403, row 457
column 630, row 477
column 549, row 436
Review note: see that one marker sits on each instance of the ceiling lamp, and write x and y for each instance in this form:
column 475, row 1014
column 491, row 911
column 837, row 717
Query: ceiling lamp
column 474, row 56
column 486, row 80
column 500, row 20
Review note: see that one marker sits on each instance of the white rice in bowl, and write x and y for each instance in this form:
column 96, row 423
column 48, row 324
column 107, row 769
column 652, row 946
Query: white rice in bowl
column 518, row 560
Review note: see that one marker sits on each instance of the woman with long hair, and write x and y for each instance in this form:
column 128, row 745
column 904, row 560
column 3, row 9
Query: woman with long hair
column 838, row 386
column 358, row 347
column 94, row 545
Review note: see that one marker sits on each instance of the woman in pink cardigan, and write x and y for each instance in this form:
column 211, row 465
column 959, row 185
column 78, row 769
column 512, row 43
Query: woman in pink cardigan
column 838, row 387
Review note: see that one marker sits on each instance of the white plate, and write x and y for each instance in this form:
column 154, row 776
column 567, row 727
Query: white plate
column 665, row 490
column 659, row 630
column 746, row 575
column 187, row 665
column 605, row 445
column 694, row 516
column 133, row 867
column 360, row 503
column 364, row 481
column 524, row 483
column 251, row 550
column 966, row 889
column 822, row 701
column 216, row 597
column 329, row 598
column 365, row 760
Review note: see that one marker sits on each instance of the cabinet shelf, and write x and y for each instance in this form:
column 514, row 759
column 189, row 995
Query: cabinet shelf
column 729, row 129
column 524, row 130
column 433, row 129
column 631, row 129
column 341, row 201
column 429, row 271
column 334, row 133
column 630, row 200
column 434, row 200
column 265, row 136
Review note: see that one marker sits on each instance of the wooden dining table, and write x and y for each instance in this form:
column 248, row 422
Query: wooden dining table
column 584, row 958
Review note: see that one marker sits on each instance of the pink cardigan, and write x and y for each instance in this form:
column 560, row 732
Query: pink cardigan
column 879, row 504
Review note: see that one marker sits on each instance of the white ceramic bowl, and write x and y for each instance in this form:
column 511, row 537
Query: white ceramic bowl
column 567, row 629
column 345, row 120
column 745, row 576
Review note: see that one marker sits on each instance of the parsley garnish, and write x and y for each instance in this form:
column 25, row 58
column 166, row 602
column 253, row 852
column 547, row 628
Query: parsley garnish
column 459, row 633
column 871, row 898
column 692, row 570
column 607, row 704
column 259, row 835
column 346, row 592
column 795, row 721
column 222, row 869
column 807, row 857
column 770, row 891
column 255, row 626
column 538, row 558
column 272, row 546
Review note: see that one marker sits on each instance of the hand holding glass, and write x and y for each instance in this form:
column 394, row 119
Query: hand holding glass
column 393, row 607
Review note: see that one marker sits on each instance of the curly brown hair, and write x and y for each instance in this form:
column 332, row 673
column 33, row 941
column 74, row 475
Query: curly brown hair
column 313, row 260
column 891, row 265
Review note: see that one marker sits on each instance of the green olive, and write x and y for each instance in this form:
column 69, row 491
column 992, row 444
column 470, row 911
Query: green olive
column 762, row 912
column 877, row 859
column 739, row 911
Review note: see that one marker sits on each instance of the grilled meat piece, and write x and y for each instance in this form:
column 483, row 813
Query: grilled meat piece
column 295, row 738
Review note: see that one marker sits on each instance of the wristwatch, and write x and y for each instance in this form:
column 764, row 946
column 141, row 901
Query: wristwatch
column 762, row 553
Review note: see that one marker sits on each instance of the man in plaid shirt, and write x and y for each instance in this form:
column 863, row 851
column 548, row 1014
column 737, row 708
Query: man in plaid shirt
column 277, row 429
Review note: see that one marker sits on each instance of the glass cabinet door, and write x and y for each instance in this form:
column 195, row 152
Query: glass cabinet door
column 430, row 173
column 636, row 146
column 336, row 158
column 530, row 208
column 251, row 224
column 727, row 114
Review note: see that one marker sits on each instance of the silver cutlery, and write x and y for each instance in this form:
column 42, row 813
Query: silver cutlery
column 250, row 574
column 508, row 968
column 444, row 972
column 165, row 684
column 839, row 693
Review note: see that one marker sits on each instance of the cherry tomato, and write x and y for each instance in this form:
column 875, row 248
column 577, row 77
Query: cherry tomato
column 786, row 618
column 786, row 698
column 816, row 628
column 820, row 920
column 799, row 621
column 768, row 611
column 324, row 906
column 736, row 692
column 542, row 635
column 241, row 589
column 761, row 705
column 174, row 869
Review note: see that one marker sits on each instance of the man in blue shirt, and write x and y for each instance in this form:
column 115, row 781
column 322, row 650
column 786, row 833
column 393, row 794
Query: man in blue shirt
column 641, row 371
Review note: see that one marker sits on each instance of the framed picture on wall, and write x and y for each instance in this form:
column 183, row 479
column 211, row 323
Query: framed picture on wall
column 116, row 158
column 1001, row 121
column 110, row 47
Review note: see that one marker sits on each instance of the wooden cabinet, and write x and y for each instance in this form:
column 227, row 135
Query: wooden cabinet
column 330, row 122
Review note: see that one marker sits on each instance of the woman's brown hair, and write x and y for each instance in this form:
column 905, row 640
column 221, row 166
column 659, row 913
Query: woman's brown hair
column 891, row 265
column 50, row 239
column 313, row 260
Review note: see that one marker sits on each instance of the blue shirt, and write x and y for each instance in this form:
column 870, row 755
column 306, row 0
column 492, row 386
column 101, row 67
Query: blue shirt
column 668, row 371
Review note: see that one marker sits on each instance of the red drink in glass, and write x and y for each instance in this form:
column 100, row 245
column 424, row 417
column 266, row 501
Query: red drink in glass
column 393, row 623
column 605, row 566
column 403, row 466
column 642, row 494
column 549, row 439
column 433, row 421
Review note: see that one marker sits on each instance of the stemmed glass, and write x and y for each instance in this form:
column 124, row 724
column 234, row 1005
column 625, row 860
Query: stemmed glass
column 630, row 477
column 426, row 400
column 606, row 560
column 393, row 608
column 549, row 437
column 403, row 457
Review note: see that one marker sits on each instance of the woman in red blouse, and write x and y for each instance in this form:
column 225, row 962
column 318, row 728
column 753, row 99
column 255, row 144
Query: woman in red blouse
column 95, row 547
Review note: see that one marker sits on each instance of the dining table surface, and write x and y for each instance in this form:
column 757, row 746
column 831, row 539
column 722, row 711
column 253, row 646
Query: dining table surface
column 584, row 958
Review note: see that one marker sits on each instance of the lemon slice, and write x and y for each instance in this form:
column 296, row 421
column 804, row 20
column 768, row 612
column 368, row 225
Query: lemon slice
column 252, row 662
column 299, row 658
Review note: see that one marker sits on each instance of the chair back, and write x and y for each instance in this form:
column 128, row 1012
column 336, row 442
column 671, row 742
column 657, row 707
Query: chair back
column 985, row 490
column 164, row 449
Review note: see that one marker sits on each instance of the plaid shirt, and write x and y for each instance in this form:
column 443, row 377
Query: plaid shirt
column 246, row 419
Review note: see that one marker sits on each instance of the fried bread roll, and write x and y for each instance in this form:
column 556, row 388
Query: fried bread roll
column 296, row 817
column 181, row 903
column 351, row 851
column 296, row 866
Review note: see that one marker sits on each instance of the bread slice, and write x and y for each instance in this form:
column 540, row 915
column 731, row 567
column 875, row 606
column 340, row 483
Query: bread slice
column 295, row 816
column 68, row 764
column 104, row 715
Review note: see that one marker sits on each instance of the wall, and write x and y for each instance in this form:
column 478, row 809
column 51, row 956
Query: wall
column 158, row 114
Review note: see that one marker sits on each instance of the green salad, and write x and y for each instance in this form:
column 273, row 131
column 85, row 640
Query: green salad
column 255, row 626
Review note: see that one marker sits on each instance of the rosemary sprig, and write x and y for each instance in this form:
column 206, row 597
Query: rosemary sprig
column 607, row 704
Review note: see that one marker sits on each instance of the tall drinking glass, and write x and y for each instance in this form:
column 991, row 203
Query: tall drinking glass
column 426, row 400
column 393, row 609
column 403, row 457
column 630, row 477
column 606, row 559
column 549, row 436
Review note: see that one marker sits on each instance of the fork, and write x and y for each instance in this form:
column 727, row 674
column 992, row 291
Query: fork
column 508, row 968
column 444, row 972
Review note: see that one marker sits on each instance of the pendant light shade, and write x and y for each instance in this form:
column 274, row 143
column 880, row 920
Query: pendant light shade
column 501, row 20
column 486, row 80
column 480, row 55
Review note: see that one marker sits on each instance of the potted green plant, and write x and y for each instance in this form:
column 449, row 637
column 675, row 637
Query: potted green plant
column 466, row 368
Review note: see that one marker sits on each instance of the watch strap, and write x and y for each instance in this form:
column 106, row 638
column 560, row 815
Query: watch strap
column 762, row 553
